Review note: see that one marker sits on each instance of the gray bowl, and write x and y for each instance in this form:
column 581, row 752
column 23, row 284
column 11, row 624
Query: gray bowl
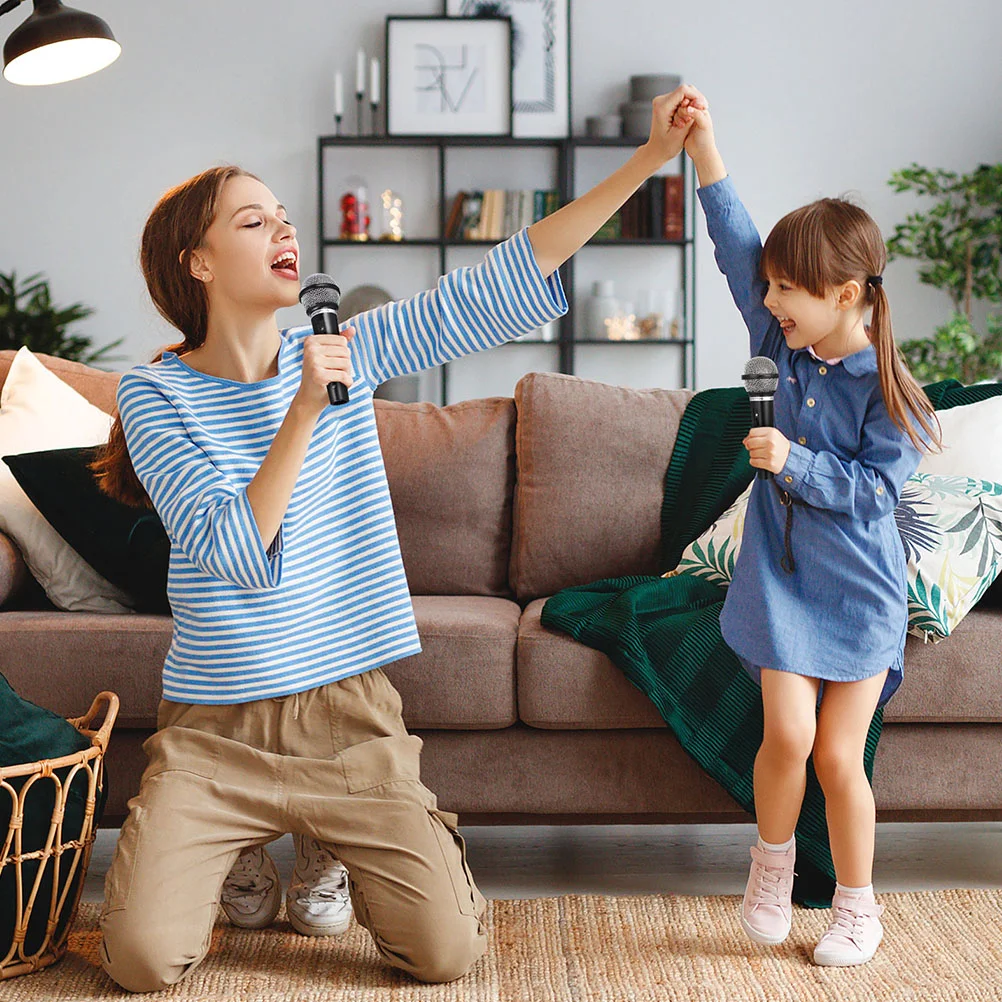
column 648, row 86
column 604, row 126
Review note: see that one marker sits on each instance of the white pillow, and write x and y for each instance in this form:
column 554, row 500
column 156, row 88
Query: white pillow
column 972, row 442
column 39, row 411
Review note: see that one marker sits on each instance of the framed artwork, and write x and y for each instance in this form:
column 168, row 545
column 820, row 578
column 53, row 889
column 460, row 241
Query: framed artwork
column 540, row 60
column 448, row 76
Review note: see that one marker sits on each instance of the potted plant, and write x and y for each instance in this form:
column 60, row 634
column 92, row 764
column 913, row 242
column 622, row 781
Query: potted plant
column 959, row 241
column 27, row 317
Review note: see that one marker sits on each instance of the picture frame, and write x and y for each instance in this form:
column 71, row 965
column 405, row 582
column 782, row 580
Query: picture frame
column 541, row 61
column 448, row 76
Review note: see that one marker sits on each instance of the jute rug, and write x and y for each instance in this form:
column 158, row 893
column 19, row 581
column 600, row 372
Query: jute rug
column 942, row 945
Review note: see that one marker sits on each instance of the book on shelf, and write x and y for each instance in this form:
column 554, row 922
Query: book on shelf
column 469, row 227
column 674, row 207
column 656, row 210
column 455, row 217
column 494, row 214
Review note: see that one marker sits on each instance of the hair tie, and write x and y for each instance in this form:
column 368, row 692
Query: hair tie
column 875, row 280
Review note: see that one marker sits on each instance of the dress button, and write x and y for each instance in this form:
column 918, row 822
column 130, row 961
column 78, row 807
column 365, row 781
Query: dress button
column 880, row 490
column 823, row 371
column 789, row 480
column 802, row 440
column 810, row 401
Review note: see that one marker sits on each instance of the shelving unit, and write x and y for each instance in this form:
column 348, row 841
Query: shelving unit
column 566, row 151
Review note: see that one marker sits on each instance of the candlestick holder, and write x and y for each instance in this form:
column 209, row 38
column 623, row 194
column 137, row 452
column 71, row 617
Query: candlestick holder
column 337, row 125
column 374, row 119
column 360, row 101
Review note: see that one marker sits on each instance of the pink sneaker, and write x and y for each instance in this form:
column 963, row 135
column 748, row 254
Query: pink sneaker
column 766, row 912
column 854, row 934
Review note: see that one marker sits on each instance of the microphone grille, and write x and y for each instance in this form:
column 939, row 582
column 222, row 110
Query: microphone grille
column 761, row 375
column 319, row 290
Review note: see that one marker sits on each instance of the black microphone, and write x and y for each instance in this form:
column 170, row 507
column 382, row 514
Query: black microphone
column 321, row 297
column 761, row 377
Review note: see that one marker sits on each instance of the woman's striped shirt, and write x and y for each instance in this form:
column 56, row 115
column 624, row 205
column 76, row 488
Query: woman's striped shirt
column 327, row 598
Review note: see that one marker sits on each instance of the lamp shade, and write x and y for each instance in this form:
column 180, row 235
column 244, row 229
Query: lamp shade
column 57, row 43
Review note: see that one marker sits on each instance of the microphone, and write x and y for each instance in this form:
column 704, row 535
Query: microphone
column 761, row 377
column 321, row 297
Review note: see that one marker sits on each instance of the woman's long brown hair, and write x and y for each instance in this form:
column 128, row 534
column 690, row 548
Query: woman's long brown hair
column 824, row 245
column 176, row 227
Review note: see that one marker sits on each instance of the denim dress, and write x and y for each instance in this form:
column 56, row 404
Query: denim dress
column 842, row 613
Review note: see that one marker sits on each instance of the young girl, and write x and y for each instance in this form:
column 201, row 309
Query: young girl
column 286, row 582
column 816, row 610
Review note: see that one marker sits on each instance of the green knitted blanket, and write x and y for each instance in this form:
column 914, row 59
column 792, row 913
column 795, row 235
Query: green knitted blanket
column 664, row 633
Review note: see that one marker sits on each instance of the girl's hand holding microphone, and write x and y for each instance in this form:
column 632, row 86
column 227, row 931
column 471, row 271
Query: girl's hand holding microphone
column 326, row 359
column 768, row 449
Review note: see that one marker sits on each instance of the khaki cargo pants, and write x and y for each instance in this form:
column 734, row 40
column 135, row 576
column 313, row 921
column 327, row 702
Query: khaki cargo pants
column 334, row 763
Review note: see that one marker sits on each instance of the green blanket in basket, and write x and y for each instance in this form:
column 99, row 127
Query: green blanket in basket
column 29, row 733
column 664, row 633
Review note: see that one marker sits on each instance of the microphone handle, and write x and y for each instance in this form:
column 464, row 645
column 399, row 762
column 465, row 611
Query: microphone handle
column 762, row 417
column 325, row 321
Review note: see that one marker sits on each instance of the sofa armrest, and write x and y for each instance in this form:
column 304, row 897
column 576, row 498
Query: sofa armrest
column 13, row 570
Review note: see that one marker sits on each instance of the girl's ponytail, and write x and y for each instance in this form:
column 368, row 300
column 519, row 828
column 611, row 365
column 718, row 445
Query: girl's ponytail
column 902, row 394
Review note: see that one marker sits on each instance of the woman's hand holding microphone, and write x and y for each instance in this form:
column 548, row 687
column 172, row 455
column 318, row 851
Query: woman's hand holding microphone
column 326, row 359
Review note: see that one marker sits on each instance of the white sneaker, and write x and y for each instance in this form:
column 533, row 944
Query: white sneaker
column 766, row 909
column 318, row 902
column 252, row 891
column 854, row 934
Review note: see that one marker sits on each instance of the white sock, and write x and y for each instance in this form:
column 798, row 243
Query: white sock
column 771, row 847
column 863, row 892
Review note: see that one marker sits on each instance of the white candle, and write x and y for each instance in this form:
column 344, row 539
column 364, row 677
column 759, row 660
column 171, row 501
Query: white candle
column 374, row 81
column 338, row 93
column 360, row 73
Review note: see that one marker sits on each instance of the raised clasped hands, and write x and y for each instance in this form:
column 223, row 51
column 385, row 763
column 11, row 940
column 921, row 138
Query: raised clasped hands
column 674, row 117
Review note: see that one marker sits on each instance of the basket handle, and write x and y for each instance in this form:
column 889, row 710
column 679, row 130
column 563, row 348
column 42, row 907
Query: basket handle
column 102, row 736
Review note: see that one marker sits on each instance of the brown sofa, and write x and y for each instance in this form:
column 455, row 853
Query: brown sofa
column 501, row 502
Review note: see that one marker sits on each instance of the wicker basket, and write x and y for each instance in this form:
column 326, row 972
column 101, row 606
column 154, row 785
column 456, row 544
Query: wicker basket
column 58, row 854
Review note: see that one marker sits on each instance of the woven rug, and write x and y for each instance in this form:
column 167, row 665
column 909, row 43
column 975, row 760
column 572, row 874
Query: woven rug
column 941, row 945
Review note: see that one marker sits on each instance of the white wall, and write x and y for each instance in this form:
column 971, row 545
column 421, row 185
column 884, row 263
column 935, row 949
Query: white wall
column 809, row 99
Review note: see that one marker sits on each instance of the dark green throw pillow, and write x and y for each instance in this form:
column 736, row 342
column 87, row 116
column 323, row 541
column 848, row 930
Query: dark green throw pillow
column 29, row 733
column 126, row 545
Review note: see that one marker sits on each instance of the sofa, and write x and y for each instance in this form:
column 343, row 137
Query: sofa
column 501, row 502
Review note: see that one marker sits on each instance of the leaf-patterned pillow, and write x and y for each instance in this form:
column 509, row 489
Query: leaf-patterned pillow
column 951, row 528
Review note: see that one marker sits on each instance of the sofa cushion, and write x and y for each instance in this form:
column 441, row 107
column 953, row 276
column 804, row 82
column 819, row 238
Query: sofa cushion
column 95, row 384
column 126, row 545
column 463, row 678
column 591, row 461
column 39, row 411
column 565, row 685
column 451, row 472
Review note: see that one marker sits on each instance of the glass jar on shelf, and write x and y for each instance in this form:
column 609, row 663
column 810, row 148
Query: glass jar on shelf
column 600, row 307
column 355, row 218
column 657, row 315
column 393, row 216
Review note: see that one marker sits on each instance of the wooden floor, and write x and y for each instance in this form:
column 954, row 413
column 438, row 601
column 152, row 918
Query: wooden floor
column 526, row 862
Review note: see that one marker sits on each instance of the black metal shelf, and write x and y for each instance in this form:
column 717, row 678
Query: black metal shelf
column 636, row 242
column 459, row 242
column 509, row 142
column 565, row 149
column 419, row 242
column 650, row 340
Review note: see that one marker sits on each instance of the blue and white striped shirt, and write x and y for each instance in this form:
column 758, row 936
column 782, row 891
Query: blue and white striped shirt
column 328, row 598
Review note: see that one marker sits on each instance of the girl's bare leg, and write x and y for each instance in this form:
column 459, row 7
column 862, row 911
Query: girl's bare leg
column 789, row 703
column 843, row 723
